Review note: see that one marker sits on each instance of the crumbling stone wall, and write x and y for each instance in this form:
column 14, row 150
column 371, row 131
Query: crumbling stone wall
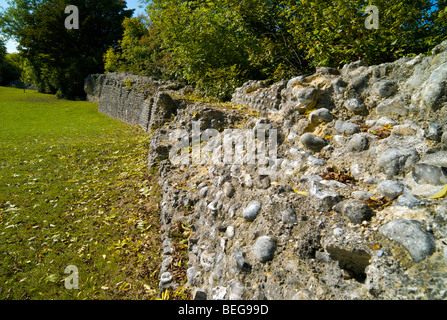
column 131, row 98
column 343, row 211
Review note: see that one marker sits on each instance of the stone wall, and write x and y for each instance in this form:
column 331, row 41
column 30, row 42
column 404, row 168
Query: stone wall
column 128, row 97
column 344, row 209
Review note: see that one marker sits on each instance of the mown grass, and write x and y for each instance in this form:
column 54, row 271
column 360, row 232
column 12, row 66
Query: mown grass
column 74, row 190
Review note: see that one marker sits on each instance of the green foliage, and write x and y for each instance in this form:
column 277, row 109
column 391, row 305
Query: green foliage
column 12, row 20
column 131, row 54
column 439, row 21
column 335, row 34
column 22, row 65
column 2, row 50
column 8, row 70
column 139, row 52
column 218, row 44
column 59, row 58
column 111, row 60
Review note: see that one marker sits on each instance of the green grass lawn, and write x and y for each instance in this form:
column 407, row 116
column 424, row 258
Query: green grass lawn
column 74, row 190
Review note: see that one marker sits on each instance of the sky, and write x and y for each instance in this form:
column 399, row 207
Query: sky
column 11, row 45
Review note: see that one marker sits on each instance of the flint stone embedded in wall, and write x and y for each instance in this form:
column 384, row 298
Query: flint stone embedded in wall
column 299, row 99
column 358, row 83
column 384, row 88
column 358, row 143
column 408, row 233
column 312, row 142
column 396, row 161
column 323, row 199
column 396, row 106
column 425, row 173
column 319, row 116
column 356, row 211
column 435, row 91
column 356, row 106
column 390, row 189
column 344, row 127
column 264, row 248
column 252, row 210
column 354, row 66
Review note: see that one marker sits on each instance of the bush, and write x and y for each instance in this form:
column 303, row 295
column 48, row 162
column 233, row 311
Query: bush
column 333, row 35
column 219, row 44
column 139, row 52
column 8, row 71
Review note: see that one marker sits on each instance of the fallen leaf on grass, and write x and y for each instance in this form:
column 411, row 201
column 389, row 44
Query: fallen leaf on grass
column 51, row 278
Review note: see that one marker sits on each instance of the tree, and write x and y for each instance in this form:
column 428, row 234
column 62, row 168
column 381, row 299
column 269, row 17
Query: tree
column 139, row 52
column 12, row 20
column 22, row 69
column 8, row 70
column 333, row 33
column 438, row 19
column 2, row 59
column 2, row 50
column 218, row 44
column 62, row 58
